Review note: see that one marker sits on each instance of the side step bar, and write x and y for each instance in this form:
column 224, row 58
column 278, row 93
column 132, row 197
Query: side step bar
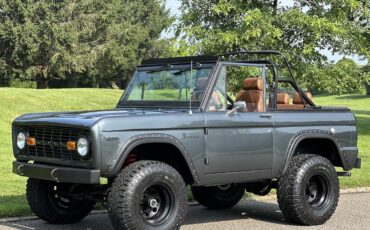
column 344, row 174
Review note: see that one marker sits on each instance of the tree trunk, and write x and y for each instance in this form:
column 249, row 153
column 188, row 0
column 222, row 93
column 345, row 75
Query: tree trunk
column 123, row 83
column 275, row 5
column 4, row 81
column 41, row 82
column 368, row 89
column 72, row 82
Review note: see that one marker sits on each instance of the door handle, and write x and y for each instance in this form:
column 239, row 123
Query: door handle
column 268, row 116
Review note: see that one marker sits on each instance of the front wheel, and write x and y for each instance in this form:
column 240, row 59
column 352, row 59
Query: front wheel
column 50, row 202
column 309, row 191
column 219, row 197
column 147, row 195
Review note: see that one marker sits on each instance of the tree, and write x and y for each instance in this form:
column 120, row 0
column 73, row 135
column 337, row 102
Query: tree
column 49, row 40
column 343, row 77
column 301, row 31
column 118, row 34
column 38, row 39
column 366, row 73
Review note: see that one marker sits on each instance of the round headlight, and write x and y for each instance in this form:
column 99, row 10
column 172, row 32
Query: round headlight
column 21, row 140
column 83, row 146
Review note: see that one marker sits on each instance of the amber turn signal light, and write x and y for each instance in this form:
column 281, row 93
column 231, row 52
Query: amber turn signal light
column 71, row 145
column 31, row 141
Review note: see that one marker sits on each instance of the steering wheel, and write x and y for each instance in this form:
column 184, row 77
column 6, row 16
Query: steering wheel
column 229, row 99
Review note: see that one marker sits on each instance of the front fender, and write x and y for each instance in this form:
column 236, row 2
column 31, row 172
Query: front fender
column 137, row 140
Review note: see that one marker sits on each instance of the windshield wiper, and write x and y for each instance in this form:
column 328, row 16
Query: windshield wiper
column 169, row 67
column 165, row 67
column 195, row 66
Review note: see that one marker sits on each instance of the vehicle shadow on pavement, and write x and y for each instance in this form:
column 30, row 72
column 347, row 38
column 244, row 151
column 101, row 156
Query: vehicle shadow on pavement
column 246, row 209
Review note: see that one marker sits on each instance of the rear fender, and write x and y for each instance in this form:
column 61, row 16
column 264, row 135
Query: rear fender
column 347, row 155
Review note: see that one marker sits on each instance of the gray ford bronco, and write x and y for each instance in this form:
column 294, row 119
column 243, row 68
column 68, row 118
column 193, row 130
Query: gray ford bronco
column 221, row 125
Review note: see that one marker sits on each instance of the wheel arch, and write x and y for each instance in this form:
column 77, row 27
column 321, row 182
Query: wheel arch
column 327, row 145
column 180, row 154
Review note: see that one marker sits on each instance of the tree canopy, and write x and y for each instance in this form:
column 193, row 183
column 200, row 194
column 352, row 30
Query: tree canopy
column 339, row 78
column 99, row 42
column 45, row 40
column 301, row 31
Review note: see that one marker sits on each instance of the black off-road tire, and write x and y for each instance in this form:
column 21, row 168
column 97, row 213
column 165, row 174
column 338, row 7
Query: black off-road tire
column 136, row 186
column 218, row 197
column 46, row 204
column 308, row 193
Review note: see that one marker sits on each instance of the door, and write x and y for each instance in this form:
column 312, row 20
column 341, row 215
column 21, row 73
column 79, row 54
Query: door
column 238, row 141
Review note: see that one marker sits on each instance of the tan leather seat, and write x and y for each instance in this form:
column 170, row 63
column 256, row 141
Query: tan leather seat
column 282, row 101
column 297, row 98
column 282, row 98
column 198, row 91
column 252, row 94
column 297, row 102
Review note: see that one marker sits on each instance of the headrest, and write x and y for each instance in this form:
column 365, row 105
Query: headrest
column 297, row 97
column 253, row 84
column 282, row 98
column 201, row 83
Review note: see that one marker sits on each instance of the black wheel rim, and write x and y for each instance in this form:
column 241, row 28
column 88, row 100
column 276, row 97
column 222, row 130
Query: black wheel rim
column 157, row 204
column 59, row 198
column 317, row 191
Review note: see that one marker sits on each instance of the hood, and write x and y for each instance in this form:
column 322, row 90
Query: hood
column 82, row 118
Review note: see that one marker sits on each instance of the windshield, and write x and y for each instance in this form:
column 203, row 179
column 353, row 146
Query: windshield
column 175, row 86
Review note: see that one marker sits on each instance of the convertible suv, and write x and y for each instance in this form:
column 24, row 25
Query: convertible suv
column 222, row 125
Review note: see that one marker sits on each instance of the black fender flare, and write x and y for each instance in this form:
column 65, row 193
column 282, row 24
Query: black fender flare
column 140, row 139
column 307, row 134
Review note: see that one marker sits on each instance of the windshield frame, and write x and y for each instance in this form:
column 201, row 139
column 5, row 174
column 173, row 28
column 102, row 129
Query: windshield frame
column 196, row 105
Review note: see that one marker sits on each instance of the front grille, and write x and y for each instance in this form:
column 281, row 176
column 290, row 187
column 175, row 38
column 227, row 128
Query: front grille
column 51, row 142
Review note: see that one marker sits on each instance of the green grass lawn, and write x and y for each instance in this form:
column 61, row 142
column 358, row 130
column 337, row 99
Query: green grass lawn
column 14, row 102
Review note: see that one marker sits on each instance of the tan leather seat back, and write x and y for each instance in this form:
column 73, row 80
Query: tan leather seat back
column 282, row 98
column 297, row 102
column 297, row 98
column 282, row 101
column 252, row 94
column 199, row 89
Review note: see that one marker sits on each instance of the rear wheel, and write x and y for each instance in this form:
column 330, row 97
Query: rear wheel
column 219, row 197
column 50, row 202
column 309, row 192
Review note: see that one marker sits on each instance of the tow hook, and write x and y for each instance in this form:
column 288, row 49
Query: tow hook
column 54, row 174
column 344, row 174
column 19, row 170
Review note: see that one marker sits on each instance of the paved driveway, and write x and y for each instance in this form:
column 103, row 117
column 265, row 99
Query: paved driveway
column 353, row 212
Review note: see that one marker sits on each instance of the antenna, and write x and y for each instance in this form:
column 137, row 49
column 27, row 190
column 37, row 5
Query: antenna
column 190, row 86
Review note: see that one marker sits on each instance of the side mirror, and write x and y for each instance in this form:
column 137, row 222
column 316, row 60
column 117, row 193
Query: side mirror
column 239, row 106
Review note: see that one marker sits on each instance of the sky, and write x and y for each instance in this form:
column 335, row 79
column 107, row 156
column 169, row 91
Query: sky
column 174, row 5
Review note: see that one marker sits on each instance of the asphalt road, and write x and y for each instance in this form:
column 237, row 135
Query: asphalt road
column 353, row 212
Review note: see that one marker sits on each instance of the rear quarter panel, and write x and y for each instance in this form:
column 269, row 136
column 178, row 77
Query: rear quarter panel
column 288, row 125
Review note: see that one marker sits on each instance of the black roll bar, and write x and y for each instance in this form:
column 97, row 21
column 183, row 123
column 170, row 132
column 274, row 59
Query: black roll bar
column 273, row 52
